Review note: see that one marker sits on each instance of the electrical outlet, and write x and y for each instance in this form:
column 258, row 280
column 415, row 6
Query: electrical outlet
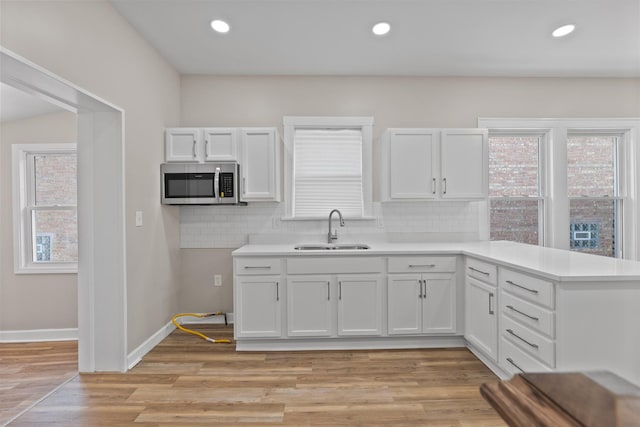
column 217, row 280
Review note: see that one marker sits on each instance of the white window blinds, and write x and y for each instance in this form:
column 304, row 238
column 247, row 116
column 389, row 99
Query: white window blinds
column 327, row 172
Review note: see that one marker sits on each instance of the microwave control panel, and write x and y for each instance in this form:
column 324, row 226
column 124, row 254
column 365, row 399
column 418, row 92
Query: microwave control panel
column 226, row 184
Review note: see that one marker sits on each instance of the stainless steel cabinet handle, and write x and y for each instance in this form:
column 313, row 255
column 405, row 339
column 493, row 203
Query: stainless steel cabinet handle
column 444, row 185
column 206, row 149
column 522, row 339
column 479, row 271
column 510, row 307
column 490, row 305
column 514, row 364
column 328, row 291
column 421, row 265
column 194, row 149
column 277, row 291
column 424, row 293
column 533, row 291
column 420, row 288
column 433, row 186
column 256, row 267
column 244, row 185
column 340, row 290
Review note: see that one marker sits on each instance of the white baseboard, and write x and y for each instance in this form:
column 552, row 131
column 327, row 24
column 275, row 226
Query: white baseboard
column 212, row 320
column 39, row 335
column 136, row 355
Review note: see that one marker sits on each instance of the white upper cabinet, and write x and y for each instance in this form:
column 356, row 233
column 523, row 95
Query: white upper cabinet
column 464, row 163
column 183, row 145
column 412, row 163
column 201, row 144
column 220, row 144
column 426, row 164
column 260, row 164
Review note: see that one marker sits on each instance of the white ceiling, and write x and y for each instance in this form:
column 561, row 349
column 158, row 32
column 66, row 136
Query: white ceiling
column 428, row 37
column 16, row 104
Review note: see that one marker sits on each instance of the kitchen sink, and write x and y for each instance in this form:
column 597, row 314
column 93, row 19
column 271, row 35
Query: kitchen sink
column 331, row 246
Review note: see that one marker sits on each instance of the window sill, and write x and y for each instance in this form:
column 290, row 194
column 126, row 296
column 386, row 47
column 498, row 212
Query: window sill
column 325, row 218
column 47, row 269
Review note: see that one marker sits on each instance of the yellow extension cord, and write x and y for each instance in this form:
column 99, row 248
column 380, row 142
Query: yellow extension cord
column 196, row 333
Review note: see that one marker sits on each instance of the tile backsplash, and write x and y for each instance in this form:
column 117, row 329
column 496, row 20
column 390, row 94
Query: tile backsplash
column 231, row 226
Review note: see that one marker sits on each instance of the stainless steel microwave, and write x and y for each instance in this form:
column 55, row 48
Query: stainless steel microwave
column 214, row 183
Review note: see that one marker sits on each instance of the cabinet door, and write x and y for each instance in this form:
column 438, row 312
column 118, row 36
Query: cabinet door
column 183, row 145
column 464, row 163
column 309, row 306
column 359, row 305
column 258, row 311
column 220, row 144
column 260, row 164
column 412, row 154
column 439, row 303
column 481, row 320
column 404, row 305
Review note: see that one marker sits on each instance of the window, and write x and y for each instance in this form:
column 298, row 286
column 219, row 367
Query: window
column 45, row 213
column 516, row 203
column 328, row 166
column 589, row 188
column 595, row 205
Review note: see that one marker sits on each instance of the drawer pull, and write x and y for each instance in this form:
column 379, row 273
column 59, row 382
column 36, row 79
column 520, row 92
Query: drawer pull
column 524, row 314
column 421, row 265
column 257, row 267
column 522, row 339
column 479, row 271
column 490, row 305
column 510, row 360
column 533, row 291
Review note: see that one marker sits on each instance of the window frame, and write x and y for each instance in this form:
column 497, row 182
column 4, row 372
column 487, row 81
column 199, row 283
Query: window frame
column 620, row 181
column 364, row 124
column 556, row 219
column 23, row 193
column 543, row 142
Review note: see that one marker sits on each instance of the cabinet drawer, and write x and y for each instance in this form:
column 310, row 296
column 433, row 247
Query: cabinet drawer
column 527, row 287
column 482, row 271
column 528, row 341
column 422, row 264
column 537, row 318
column 257, row 266
column 330, row 265
column 516, row 361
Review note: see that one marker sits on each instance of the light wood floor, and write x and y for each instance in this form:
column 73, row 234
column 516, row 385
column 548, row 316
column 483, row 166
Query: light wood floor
column 188, row 381
column 29, row 371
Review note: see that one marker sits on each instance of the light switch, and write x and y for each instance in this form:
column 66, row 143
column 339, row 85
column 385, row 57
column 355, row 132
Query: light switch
column 138, row 218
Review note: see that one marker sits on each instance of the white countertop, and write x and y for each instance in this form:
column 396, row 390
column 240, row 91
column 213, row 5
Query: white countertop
column 555, row 264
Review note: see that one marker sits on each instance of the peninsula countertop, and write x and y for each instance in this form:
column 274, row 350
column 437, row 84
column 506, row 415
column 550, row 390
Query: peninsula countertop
column 555, row 264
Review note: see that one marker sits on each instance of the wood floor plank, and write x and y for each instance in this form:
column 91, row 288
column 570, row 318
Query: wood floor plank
column 187, row 381
column 29, row 371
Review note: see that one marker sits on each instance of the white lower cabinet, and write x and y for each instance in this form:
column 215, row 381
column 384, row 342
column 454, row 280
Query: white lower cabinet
column 421, row 303
column 257, row 308
column 481, row 319
column 330, row 305
column 359, row 305
column 309, row 306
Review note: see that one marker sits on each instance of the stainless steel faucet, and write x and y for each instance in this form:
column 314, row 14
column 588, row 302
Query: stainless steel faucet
column 332, row 237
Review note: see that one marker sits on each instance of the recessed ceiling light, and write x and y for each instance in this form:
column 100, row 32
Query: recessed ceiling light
column 220, row 26
column 563, row 31
column 381, row 28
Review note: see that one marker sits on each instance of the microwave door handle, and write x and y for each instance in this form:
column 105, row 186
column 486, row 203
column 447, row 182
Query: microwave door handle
column 216, row 184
